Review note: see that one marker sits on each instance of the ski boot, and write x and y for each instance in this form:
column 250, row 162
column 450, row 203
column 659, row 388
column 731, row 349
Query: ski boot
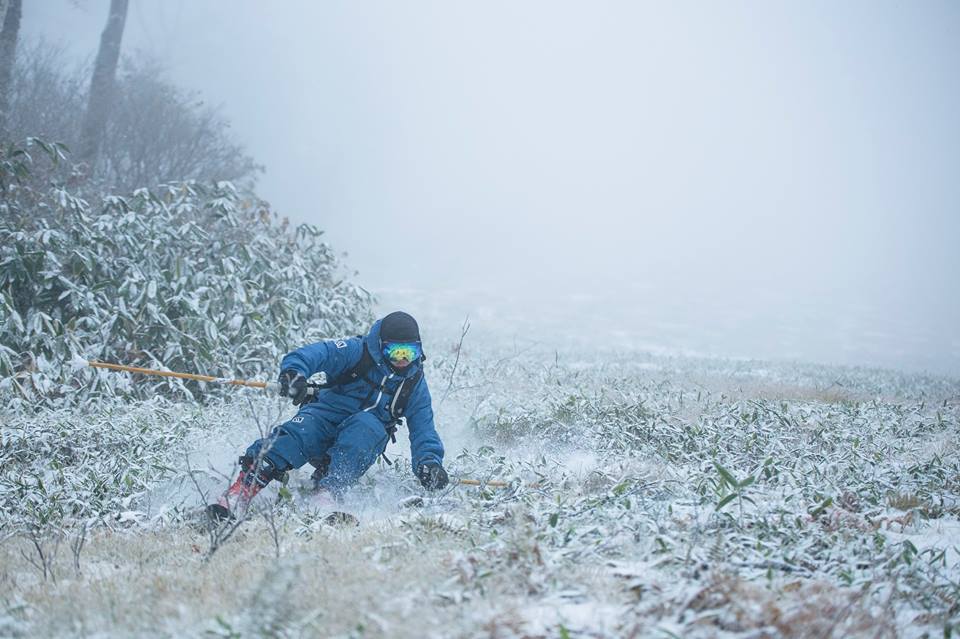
column 249, row 482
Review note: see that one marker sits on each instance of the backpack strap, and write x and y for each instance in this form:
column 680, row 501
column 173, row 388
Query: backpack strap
column 400, row 399
column 398, row 406
column 355, row 372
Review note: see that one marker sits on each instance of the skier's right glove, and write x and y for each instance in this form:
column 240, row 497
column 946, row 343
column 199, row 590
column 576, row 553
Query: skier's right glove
column 433, row 476
column 293, row 385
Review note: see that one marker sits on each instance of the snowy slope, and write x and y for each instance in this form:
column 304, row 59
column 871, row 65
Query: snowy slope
column 649, row 495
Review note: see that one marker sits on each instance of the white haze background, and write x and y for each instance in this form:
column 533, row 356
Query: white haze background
column 746, row 179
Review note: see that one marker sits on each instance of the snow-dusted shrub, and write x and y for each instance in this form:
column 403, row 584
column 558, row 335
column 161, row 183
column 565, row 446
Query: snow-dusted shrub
column 858, row 494
column 68, row 466
column 188, row 276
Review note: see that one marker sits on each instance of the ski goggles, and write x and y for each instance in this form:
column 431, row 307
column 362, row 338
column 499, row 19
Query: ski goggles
column 399, row 351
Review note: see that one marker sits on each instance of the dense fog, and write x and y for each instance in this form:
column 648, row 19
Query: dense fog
column 680, row 353
column 750, row 179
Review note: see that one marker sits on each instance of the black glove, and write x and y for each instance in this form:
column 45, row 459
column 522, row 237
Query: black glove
column 293, row 385
column 433, row 476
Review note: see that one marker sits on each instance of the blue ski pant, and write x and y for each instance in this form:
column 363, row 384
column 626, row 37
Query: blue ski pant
column 352, row 445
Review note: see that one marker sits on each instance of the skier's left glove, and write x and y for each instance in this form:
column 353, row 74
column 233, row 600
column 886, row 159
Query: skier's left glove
column 433, row 476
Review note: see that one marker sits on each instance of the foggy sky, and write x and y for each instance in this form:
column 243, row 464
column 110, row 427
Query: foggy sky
column 739, row 160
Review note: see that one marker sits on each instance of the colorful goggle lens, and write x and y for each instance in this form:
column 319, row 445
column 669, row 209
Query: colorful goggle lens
column 397, row 351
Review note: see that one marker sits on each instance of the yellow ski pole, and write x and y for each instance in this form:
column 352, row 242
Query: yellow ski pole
column 193, row 376
column 493, row 483
column 476, row 482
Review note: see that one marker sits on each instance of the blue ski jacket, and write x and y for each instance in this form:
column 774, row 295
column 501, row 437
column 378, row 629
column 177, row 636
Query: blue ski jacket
column 372, row 393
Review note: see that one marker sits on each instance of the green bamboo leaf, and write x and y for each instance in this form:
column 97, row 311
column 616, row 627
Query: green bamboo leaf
column 726, row 500
column 725, row 474
column 826, row 503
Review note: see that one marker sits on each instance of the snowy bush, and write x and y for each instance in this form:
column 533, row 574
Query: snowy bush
column 842, row 489
column 188, row 276
column 69, row 467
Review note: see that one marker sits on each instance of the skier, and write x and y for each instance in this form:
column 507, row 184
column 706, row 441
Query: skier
column 372, row 382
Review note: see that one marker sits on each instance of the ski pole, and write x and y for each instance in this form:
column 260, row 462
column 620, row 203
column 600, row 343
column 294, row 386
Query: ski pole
column 493, row 482
column 193, row 376
column 477, row 482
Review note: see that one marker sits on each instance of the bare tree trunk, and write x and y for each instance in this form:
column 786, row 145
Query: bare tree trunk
column 8, row 49
column 102, row 85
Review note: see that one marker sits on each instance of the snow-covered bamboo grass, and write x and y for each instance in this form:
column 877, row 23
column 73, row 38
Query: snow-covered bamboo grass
column 199, row 278
column 649, row 496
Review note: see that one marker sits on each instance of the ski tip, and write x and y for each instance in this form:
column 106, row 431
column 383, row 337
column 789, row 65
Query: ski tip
column 219, row 512
column 338, row 518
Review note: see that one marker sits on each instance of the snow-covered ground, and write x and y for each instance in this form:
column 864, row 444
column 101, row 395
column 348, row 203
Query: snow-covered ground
column 650, row 493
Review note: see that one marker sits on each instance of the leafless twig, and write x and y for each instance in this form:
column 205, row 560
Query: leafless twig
column 77, row 543
column 45, row 546
column 218, row 532
column 221, row 532
column 463, row 333
column 270, row 516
